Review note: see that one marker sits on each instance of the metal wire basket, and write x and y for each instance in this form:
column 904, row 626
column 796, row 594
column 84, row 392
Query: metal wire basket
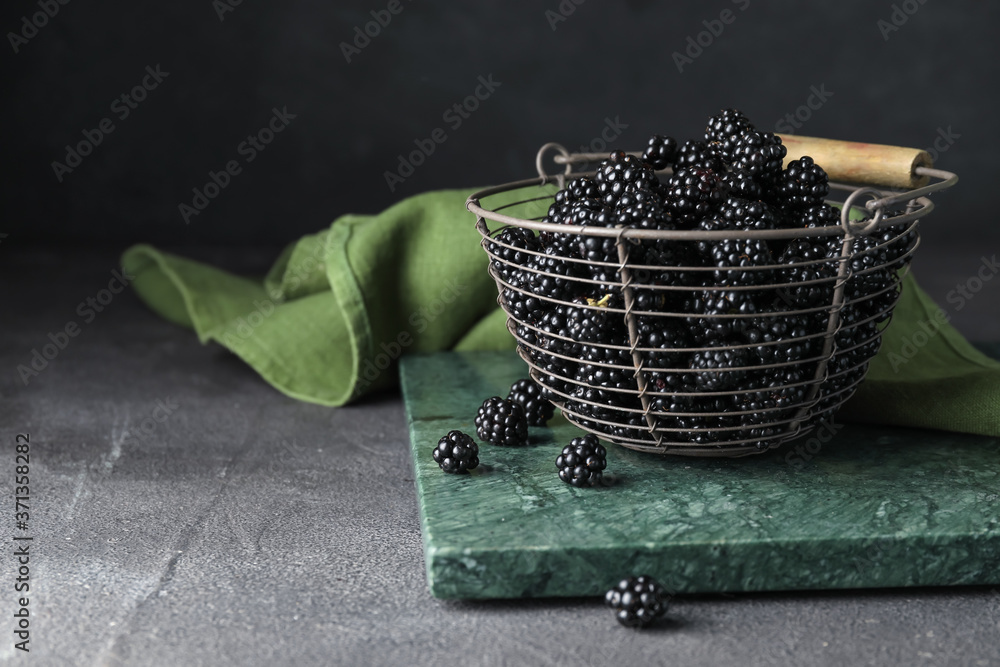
column 811, row 371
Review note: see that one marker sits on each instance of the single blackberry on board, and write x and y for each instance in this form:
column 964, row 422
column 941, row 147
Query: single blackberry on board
column 537, row 409
column 661, row 151
column 502, row 422
column 582, row 461
column 637, row 601
column 723, row 131
column 802, row 184
column 456, row 453
column 760, row 154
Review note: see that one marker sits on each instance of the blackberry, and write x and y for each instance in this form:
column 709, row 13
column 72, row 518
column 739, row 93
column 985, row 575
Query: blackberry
column 784, row 338
column 522, row 307
column 744, row 255
column 502, row 422
column 556, row 376
column 456, row 453
column 579, row 188
column 899, row 240
column 637, row 601
column 528, row 395
column 554, row 326
column 651, row 199
column 576, row 190
column 821, row 215
column 871, row 284
column 595, row 325
column 719, row 369
column 698, row 154
column 741, row 184
column 801, row 257
column 747, row 214
column 661, row 151
column 802, row 184
column 760, row 154
column 620, row 172
column 715, row 330
column 581, row 461
column 590, row 212
column 508, row 261
column 692, row 194
column 724, row 130
column 549, row 275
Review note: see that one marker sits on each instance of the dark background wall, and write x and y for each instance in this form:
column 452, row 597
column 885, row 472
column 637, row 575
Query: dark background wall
column 936, row 74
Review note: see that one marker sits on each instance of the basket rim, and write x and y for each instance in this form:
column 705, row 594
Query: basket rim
column 888, row 198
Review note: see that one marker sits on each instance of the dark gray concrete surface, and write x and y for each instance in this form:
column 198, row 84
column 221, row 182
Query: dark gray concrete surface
column 250, row 529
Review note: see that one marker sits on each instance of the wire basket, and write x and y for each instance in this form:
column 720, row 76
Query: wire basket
column 811, row 343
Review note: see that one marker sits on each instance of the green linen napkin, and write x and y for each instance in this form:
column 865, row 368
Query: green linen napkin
column 337, row 310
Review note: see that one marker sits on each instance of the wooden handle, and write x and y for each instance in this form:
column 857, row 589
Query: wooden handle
column 867, row 164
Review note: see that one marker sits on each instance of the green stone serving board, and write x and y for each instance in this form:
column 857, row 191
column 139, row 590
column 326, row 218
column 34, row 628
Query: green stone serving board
column 872, row 507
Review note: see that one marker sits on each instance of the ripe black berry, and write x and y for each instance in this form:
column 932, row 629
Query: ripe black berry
column 621, row 172
column 691, row 194
column 661, row 151
column 637, row 601
column 695, row 153
column 528, row 395
column 760, row 154
column 502, row 422
column 581, row 461
column 725, row 128
column 802, row 184
column 456, row 453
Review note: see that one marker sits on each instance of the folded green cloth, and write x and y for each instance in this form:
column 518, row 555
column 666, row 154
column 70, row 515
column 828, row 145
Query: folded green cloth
column 339, row 308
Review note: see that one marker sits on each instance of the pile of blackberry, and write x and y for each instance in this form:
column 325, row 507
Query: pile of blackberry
column 730, row 331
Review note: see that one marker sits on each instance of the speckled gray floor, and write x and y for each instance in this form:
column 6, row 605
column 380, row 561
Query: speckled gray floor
column 249, row 529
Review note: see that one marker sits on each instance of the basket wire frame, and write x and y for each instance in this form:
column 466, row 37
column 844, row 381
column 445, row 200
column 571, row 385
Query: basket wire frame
column 644, row 426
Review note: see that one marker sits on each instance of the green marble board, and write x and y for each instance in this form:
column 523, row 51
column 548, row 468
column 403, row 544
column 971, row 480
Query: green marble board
column 873, row 507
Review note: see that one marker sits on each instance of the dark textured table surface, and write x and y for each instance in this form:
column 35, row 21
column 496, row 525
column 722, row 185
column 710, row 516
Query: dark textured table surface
column 183, row 512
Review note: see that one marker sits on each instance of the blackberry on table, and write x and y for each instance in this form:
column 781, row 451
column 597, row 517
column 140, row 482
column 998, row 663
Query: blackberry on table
column 537, row 409
column 582, row 461
column 456, row 453
column 661, row 151
column 502, row 422
column 637, row 601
